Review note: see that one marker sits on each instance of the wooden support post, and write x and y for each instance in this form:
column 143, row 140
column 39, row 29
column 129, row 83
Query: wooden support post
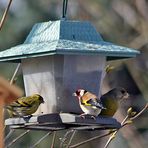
column 1, row 123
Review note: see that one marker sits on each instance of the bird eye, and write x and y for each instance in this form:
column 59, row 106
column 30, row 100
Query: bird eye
column 78, row 92
column 123, row 91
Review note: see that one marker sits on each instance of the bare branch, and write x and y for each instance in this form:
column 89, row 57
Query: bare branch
column 39, row 141
column 65, row 137
column 113, row 135
column 5, row 15
column 125, row 122
column 17, row 138
column 71, row 138
column 142, row 8
column 53, row 139
column 15, row 73
column 110, row 139
column 137, row 115
column 91, row 139
column 9, row 134
column 126, row 12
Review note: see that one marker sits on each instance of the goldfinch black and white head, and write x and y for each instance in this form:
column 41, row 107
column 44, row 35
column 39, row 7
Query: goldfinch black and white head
column 80, row 93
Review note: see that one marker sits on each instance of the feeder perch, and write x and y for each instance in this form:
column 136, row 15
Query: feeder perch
column 56, row 121
column 57, row 58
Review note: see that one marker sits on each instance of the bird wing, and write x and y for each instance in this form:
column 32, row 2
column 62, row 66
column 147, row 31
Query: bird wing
column 110, row 103
column 27, row 101
column 90, row 99
column 22, row 102
column 95, row 102
column 86, row 97
column 17, row 108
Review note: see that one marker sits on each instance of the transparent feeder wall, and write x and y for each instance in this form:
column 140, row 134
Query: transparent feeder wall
column 57, row 77
column 39, row 79
column 81, row 72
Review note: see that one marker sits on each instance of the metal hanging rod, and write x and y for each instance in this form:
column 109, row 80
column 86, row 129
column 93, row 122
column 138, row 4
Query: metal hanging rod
column 65, row 3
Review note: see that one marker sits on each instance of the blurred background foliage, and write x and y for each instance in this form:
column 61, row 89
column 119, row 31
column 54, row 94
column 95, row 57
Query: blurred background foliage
column 124, row 22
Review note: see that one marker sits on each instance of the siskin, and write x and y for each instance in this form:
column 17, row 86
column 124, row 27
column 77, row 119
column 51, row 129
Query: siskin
column 24, row 106
column 111, row 100
column 89, row 103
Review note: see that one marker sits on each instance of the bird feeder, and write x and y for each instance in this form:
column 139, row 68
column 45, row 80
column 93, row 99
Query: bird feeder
column 58, row 57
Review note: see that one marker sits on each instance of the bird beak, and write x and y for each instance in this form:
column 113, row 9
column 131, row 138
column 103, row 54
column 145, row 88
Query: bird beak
column 74, row 94
column 126, row 96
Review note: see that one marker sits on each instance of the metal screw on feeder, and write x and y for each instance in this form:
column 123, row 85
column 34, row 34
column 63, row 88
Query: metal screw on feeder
column 57, row 58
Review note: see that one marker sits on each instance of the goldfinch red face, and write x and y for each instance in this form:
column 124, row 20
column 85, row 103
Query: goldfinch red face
column 79, row 93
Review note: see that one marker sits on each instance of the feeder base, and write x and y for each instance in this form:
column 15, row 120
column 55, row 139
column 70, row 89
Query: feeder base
column 61, row 121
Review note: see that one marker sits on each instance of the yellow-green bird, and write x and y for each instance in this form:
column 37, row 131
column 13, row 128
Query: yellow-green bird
column 25, row 106
column 111, row 101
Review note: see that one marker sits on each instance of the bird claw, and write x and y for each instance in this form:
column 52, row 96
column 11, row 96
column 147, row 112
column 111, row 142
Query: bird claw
column 93, row 117
column 82, row 116
column 27, row 117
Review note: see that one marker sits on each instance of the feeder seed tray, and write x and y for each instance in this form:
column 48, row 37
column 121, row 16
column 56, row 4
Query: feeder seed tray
column 62, row 121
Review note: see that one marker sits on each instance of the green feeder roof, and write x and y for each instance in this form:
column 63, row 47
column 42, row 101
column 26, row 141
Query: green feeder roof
column 65, row 37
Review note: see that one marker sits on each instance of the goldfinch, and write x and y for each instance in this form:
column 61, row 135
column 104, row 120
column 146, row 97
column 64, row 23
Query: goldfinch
column 25, row 106
column 89, row 103
column 111, row 100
